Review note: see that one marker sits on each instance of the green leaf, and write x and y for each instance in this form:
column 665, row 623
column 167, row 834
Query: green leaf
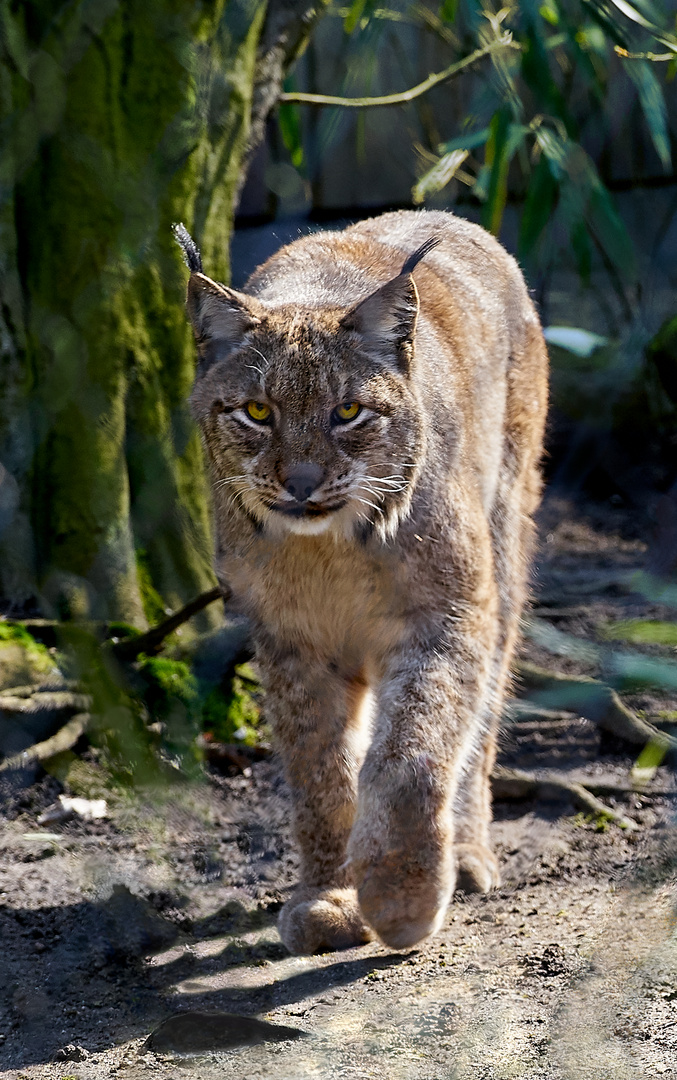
column 634, row 15
column 467, row 141
column 648, row 761
column 580, row 242
column 630, row 670
column 610, row 231
column 289, row 120
column 599, row 13
column 355, row 13
column 538, row 206
column 653, row 105
column 448, row 10
column 498, row 161
column 642, row 632
column 536, row 70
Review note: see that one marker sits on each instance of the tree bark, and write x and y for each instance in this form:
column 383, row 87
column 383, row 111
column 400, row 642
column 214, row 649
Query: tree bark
column 118, row 117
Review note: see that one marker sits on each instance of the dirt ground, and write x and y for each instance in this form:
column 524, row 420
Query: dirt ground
column 169, row 907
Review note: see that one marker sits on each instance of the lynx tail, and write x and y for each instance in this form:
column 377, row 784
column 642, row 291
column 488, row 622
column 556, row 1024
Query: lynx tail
column 191, row 252
column 420, row 253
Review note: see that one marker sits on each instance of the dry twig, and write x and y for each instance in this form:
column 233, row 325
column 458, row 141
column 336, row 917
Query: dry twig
column 150, row 643
column 517, row 784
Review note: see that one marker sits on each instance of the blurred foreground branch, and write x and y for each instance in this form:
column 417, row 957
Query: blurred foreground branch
column 595, row 701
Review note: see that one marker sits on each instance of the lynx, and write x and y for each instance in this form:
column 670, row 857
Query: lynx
column 372, row 405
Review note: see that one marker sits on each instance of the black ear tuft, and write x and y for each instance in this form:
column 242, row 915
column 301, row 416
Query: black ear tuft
column 414, row 259
column 191, row 252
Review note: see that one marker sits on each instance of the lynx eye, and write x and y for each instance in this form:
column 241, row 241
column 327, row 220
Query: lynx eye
column 256, row 410
column 346, row 411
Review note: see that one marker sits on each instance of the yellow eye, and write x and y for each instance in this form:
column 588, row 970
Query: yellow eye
column 258, row 411
column 347, row 411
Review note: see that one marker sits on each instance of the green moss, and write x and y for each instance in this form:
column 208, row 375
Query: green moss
column 166, row 682
column 234, row 711
column 153, row 606
column 22, row 659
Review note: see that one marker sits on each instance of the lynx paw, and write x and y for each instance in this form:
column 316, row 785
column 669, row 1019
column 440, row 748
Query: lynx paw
column 403, row 903
column 322, row 920
column 477, row 868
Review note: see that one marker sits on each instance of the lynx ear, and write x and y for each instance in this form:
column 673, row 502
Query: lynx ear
column 386, row 320
column 218, row 313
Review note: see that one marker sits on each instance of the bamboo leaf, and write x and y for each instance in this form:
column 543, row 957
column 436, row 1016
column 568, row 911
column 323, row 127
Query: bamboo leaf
column 289, row 120
column 448, row 10
column 497, row 160
column 653, row 105
column 467, row 141
column 538, row 206
column 355, row 13
column 580, row 242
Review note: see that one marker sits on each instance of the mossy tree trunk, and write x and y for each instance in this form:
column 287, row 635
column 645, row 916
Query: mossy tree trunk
column 118, row 117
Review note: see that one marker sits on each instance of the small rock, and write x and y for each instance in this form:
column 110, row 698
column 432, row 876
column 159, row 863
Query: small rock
column 71, row 1053
column 196, row 1032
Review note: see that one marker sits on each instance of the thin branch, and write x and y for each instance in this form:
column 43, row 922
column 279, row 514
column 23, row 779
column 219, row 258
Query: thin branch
column 517, row 784
column 129, row 648
column 503, row 42
column 657, row 58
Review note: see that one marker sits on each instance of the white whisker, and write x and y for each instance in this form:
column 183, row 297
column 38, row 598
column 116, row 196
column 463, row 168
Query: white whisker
column 259, row 353
column 229, row 480
column 367, row 503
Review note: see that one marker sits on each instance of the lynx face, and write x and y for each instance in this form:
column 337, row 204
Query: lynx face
column 310, row 417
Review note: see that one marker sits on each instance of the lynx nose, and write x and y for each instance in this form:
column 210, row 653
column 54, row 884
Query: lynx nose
column 301, row 480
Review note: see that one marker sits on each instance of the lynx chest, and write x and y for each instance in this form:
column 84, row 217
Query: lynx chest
column 319, row 593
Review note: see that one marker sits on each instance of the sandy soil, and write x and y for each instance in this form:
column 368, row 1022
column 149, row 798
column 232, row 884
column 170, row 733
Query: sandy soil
column 568, row 970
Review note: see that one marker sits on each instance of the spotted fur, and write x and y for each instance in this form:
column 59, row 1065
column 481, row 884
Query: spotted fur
column 385, row 604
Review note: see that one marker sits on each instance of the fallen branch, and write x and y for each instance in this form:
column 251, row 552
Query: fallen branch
column 517, row 784
column 39, row 753
column 595, row 701
column 503, row 42
column 49, row 687
column 150, row 643
column 50, row 701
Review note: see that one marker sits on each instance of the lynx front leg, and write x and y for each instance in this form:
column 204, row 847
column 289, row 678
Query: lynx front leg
column 318, row 717
column 402, row 846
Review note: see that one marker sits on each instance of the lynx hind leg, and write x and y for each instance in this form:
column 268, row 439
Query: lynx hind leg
column 322, row 920
column 477, row 866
